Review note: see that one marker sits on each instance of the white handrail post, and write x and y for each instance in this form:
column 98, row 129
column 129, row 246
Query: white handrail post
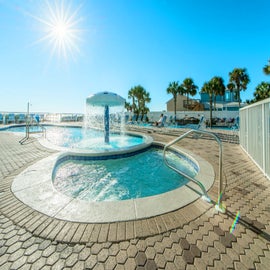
column 27, row 121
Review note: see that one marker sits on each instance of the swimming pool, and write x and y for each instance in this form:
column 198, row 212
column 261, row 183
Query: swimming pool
column 78, row 138
column 122, row 177
column 35, row 187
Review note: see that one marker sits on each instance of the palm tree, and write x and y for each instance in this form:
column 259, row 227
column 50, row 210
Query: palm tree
column 189, row 88
column 238, row 82
column 266, row 69
column 213, row 88
column 219, row 88
column 139, row 98
column 174, row 88
column 128, row 106
column 208, row 88
column 131, row 94
column 145, row 98
column 262, row 91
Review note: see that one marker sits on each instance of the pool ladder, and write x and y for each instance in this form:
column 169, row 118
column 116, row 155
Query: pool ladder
column 31, row 123
column 196, row 133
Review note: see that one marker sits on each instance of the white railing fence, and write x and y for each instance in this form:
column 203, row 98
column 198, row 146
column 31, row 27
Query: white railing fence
column 255, row 133
column 155, row 115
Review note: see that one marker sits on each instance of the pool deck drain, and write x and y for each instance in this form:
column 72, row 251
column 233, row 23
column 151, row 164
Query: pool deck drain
column 195, row 236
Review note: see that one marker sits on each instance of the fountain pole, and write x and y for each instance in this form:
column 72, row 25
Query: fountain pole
column 106, row 99
column 106, row 123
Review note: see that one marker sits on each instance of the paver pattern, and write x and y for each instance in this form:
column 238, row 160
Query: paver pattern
column 194, row 237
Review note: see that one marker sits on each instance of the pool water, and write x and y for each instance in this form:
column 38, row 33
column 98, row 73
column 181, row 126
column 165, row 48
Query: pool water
column 89, row 139
column 86, row 139
column 141, row 175
column 22, row 129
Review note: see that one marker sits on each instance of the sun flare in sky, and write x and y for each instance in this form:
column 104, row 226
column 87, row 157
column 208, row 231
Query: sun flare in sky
column 60, row 28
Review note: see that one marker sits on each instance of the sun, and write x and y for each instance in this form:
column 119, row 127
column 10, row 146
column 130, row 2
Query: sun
column 60, row 28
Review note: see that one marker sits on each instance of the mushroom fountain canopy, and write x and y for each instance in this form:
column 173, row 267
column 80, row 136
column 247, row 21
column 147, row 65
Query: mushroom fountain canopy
column 105, row 98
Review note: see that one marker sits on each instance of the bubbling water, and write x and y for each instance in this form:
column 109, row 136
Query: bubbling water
column 90, row 139
column 105, row 110
column 94, row 118
column 122, row 178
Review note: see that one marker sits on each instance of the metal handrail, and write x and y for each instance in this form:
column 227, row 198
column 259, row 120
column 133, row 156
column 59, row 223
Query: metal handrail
column 33, row 122
column 197, row 182
column 28, row 123
column 42, row 128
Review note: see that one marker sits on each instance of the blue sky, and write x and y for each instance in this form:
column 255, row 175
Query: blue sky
column 124, row 43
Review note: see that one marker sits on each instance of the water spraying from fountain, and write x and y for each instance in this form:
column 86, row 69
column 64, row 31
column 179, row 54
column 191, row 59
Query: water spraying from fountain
column 99, row 102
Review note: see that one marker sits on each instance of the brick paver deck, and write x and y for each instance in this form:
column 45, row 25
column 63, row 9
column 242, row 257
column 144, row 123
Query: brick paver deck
column 194, row 237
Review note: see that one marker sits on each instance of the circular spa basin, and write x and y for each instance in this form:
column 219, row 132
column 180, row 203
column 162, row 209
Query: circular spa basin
column 40, row 185
column 121, row 177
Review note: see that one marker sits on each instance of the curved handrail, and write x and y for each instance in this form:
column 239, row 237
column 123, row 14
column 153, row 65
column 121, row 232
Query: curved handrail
column 43, row 130
column 187, row 176
column 197, row 182
column 34, row 122
column 29, row 123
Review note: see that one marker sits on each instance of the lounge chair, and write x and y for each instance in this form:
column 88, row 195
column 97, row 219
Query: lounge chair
column 10, row 118
column 163, row 121
column 37, row 118
column 21, row 118
column 235, row 127
column 133, row 120
column 200, row 125
column 1, row 118
column 172, row 119
column 145, row 118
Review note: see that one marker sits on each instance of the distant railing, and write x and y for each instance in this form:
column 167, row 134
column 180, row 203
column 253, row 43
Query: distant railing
column 191, row 103
column 255, row 133
column 63, row 117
